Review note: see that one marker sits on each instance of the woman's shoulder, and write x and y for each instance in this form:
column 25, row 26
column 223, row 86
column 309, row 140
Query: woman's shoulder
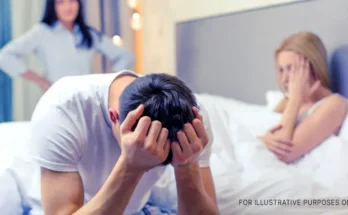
column 337, row 99
column 36, row 32
column 38, row 28
column 42, row 27
column 42, row 30
column 335, row 103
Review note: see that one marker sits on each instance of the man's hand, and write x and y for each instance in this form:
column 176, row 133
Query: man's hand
column 145, row 147
column 192, row 140
column 195, row 186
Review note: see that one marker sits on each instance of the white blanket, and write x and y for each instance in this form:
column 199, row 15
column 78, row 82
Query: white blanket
column 325, row 164
column 14, row 172
column 322, row 173
column 244, row 169
column 13, row 136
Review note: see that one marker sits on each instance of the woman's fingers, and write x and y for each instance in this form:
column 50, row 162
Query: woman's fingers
column 275, row 128
column 278, row 152
column 281, row 147
column 284, row 146
column 315, row 86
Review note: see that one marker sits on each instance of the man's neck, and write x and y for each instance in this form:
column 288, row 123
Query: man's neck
column 116, row 89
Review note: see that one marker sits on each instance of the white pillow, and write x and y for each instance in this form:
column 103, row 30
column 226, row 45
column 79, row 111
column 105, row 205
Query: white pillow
column 13, row 139
column 273, row 97
column 344, row 128
column 227, row 103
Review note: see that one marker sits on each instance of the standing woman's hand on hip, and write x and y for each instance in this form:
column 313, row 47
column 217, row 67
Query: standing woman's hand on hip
column 40, row 81
column 44, row 84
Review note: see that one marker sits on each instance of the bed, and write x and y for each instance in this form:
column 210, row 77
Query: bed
column 245, row 42
column 245, row 171
column 243, row 70
column 229, row 98
column 241, row 173
column 14, row 170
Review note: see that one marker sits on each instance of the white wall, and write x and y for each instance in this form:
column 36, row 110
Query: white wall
column 126, row 33
column 25, row 14
column 160, row 17
column 25, row 94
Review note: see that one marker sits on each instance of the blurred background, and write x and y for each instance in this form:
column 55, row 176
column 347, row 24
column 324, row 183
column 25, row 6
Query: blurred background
column 120, row 20
column 219, row 47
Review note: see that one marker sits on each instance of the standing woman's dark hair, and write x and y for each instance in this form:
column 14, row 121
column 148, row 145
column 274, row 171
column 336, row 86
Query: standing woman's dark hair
column 50, row 18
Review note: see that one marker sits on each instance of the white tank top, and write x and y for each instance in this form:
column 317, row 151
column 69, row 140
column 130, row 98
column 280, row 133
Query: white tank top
column 310, row 110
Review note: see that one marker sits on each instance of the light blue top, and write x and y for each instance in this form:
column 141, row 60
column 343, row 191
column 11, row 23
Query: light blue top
column 59, row 52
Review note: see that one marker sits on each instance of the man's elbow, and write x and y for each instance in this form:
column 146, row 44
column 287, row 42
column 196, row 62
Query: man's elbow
column 215, row 210
column 212, row 211
column 212, row 208
column 205, row 207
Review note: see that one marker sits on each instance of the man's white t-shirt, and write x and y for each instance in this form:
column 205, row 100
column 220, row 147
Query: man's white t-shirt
column 71, row 132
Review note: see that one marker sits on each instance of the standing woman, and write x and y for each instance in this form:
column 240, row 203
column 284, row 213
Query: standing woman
column 64, row 45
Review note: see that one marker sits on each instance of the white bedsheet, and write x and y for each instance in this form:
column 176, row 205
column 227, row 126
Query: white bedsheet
column 13, row 136
column 325, row 164
column 320, row 174
column 243, row 168
column 13, row 170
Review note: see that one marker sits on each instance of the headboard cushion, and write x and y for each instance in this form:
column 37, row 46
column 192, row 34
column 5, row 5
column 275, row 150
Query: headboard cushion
column 339, row 70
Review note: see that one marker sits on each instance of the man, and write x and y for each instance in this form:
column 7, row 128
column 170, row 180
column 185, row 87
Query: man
column 102, row 141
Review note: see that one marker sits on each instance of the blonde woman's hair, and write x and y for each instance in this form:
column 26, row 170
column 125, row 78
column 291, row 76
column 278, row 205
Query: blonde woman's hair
column 309, row 45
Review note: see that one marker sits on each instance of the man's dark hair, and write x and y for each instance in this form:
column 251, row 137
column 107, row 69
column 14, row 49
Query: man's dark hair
column 166, row 98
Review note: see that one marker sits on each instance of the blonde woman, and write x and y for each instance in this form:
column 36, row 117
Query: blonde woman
column 311, row 112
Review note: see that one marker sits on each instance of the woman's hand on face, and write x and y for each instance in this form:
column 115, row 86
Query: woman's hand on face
column 281, row 148
column 300, row 86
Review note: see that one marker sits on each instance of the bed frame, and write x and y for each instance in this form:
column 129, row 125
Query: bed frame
column 232, row 55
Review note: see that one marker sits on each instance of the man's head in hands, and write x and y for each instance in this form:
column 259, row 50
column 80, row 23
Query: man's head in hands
column 167, row 103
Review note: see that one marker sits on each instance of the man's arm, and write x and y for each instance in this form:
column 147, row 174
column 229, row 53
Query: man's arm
column 62, row 193
column 142, row 149
column 208, row 183
column 196, row 196
column 195, row 187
